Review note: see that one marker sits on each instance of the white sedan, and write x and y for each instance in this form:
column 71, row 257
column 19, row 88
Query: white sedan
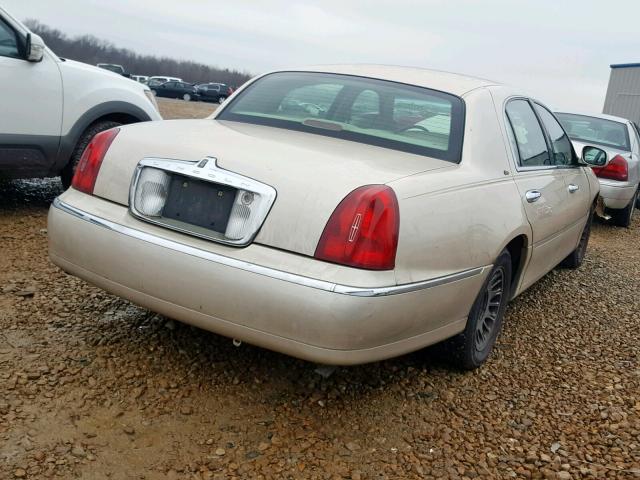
column 620, row 176
column 339, row 214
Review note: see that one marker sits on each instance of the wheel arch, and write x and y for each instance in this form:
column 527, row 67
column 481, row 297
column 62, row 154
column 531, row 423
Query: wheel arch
column 116, row 111
column 518, row 248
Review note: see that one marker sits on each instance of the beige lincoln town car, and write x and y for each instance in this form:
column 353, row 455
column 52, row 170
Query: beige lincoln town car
column 341, row 214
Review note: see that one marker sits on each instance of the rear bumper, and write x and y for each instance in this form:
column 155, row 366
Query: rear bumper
column 317, row 320
column 616, row 196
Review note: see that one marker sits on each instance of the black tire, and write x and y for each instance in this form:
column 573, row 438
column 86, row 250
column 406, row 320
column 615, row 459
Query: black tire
column 67, row 172
column 622, row 217
column 471, row 348
column 575, row 258
column 221, row 99
column 186, row 97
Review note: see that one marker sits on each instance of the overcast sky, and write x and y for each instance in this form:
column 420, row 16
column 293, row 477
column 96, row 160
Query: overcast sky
column 559, row 50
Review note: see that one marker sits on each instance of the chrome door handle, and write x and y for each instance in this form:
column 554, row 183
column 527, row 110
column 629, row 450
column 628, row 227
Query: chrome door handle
column 573, row 188
column 532, row 196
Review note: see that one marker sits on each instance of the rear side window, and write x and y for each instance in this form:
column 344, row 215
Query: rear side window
column 8, row 41
column 375, row 112
column 562, row 149
column 532, row 146
column 599, row 131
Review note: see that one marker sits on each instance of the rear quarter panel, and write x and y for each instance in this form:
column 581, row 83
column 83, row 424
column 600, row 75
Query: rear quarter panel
column 460, row 218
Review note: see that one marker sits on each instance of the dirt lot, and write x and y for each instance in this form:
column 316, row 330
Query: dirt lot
column 94, row 387
column 170, row 108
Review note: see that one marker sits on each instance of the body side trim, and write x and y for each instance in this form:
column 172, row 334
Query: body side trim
column 27, row 156
column 267, row 271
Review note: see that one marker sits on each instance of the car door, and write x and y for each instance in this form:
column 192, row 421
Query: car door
column 167, row 90
column 578, row 201
column 31, row 106
column 542, row 189
column 215, row 92
column 182, row 88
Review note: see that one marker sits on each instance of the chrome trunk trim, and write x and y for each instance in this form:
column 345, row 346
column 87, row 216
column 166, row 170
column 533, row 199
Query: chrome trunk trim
column 206, row 170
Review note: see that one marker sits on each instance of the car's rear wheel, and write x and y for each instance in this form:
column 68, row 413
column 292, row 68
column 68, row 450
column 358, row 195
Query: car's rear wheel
column 221, row 99
column 624, row 216
column 575, row 258
column 471, row 348
column 186, row 97
column 67, row 172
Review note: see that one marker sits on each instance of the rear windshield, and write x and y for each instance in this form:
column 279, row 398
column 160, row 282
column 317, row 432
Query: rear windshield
column 375, row 112
column 596, row 130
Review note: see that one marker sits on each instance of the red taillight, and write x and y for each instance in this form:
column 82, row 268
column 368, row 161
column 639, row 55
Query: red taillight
column 88, row 167
column 363, row 230
column 618, row 169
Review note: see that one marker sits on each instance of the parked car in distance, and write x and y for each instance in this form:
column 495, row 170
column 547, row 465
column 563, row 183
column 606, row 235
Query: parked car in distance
column 155, row 81
column 140, row 78
column 335, row 213
column 214, row 92
column 183, row 90
column 51, row 107
column 620, row 176
column 112, row 67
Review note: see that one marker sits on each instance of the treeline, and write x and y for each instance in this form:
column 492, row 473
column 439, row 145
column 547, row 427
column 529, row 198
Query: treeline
column 92, row 50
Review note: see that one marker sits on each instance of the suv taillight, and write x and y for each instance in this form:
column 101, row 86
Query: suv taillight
column 88, row 167
column 362, row 232
column 617, row 169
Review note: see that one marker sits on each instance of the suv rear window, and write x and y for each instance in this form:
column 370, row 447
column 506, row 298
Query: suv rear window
column 375, row 112
column 600, row 131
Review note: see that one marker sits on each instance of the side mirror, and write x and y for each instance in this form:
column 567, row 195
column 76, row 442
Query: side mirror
column 594, row 156
column 35, row 47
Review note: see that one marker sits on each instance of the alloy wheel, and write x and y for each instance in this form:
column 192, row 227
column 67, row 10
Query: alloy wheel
column 584, row 239
column 490, row 309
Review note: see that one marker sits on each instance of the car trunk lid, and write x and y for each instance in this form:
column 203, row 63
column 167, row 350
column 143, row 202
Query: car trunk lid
column 311, row 173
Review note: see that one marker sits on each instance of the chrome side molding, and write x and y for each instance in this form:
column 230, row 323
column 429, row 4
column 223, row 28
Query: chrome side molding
column 268, row 271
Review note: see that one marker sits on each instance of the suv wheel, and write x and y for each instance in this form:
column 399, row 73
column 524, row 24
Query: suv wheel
column 186, row 97
column 67, row 172
column 222, row 99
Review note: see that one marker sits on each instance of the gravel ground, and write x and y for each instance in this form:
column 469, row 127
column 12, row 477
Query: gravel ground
column 94, row 387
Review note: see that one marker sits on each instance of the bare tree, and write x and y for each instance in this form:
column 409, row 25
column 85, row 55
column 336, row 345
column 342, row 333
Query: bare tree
column 93, row 50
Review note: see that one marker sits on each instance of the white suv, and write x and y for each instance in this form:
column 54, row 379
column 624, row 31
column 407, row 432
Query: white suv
column 52, row 107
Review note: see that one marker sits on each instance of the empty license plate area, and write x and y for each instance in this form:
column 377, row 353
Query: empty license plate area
column 200, row 199
column 202, row 204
